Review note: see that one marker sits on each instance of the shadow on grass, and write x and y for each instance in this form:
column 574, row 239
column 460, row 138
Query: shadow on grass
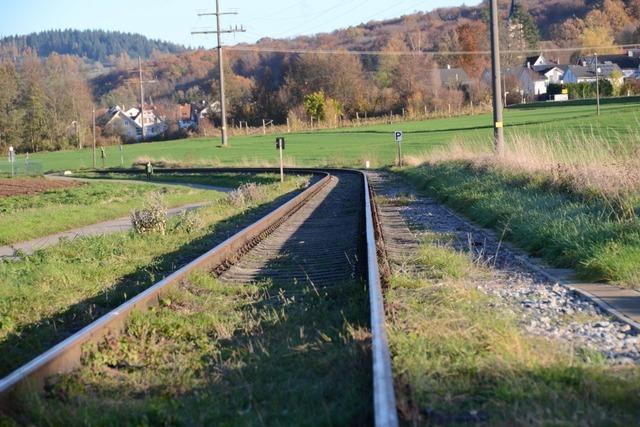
column 31, row 340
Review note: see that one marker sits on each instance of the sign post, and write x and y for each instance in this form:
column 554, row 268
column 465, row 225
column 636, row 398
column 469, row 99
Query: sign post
column 398, row 138
column 12, row 160
column 280, row 147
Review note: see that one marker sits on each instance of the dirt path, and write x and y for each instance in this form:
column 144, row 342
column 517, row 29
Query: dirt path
column 106, row 227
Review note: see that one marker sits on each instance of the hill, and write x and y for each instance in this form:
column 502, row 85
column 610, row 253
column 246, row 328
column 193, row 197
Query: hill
column 96, row 45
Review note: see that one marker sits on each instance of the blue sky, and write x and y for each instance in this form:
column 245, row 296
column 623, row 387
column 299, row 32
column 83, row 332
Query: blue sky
column 174, row 20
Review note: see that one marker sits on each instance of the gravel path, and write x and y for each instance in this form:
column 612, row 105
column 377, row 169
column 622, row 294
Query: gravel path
column 544, row 308
column 107, row 227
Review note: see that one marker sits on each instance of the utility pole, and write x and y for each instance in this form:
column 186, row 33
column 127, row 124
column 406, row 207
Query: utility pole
column 219, row 31
column 498, row 124
column 93, row 117
column 141, row 97
column 597, row 84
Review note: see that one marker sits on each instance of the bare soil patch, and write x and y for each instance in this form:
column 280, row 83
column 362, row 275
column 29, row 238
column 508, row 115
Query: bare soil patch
column 25, row 186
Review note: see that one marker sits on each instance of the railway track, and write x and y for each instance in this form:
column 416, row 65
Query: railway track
column 320, row 240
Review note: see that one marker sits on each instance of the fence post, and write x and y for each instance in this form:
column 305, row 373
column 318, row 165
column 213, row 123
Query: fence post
column 288, row 127
column 264, row 127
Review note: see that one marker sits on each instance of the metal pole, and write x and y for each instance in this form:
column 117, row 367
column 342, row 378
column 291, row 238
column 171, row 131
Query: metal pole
column 281, row 163
column 597, row 85
column 93, row 116
column 223, row 107
column 141, row 98
column 498, row 124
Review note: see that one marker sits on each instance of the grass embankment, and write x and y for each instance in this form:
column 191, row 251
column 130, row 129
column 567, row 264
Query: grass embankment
column 460, row 358
column 46, row 296
column 31, row 216
column 572, row 201
column 352, row 146
column 216, row 353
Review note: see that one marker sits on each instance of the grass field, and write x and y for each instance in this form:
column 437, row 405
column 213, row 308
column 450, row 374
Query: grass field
column 46, row 296
column 229, row 180
column 562, row 227
column 28, row 217
column 352, row 146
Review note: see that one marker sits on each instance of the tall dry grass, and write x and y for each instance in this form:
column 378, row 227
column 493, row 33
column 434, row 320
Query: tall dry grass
column 586, row 164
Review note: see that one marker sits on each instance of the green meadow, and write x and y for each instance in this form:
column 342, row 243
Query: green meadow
column 353, row 146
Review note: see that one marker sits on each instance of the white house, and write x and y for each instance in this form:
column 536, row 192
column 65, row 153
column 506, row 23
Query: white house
column 587, row 74
column 532, row 82
column 129, row 123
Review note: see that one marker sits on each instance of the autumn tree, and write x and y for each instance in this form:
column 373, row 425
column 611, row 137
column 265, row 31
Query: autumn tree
column 340, row 77
column 9, row 113
column 35, row 124
column 471, row 37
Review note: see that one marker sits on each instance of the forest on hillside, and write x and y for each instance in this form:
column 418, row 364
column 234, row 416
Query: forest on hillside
column 95, row 45
column 42, row 95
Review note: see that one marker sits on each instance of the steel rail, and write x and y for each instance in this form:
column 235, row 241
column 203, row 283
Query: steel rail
column 66, row 355
column 384, row 407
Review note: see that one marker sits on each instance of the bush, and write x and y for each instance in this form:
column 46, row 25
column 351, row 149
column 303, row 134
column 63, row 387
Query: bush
column 152, row 218
column 189, row 222
column 236, row 198
column 246, row 194
column 252, row 192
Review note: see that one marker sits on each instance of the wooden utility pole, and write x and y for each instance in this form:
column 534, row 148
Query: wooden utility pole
column 597, row 84
column 93, row 116
column 218, row 32
column 141, row 97
column 498, row 123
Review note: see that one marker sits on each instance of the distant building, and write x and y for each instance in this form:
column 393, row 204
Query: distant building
column 537, row 61
column 190, row 114
column 453, row 78
column 129, row 124
column 629, row 63
column 587, row 73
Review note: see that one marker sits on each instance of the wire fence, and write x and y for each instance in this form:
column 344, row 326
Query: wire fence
column 20, row 168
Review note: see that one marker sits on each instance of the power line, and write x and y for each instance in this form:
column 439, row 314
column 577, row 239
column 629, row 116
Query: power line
column 240, row 48
column 316, row 16
column 218, row 32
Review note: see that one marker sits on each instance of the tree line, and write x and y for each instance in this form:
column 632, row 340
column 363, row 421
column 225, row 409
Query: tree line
column 96, row 45
column 46, row 101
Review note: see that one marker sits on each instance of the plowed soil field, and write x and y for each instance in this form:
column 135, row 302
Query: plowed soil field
column 22, row 186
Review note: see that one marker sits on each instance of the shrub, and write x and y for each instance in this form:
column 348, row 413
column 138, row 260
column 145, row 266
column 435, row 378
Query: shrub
column 236, row 198
column 246, row 194
column 189, row 222
column 252, row 192
column 152, row 218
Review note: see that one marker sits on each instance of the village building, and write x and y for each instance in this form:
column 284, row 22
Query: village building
column 453, row 78
column 629, row 63
column 129, row 124
column 588, row 73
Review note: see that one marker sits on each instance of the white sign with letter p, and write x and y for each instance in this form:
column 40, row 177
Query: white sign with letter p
column 398, row 136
